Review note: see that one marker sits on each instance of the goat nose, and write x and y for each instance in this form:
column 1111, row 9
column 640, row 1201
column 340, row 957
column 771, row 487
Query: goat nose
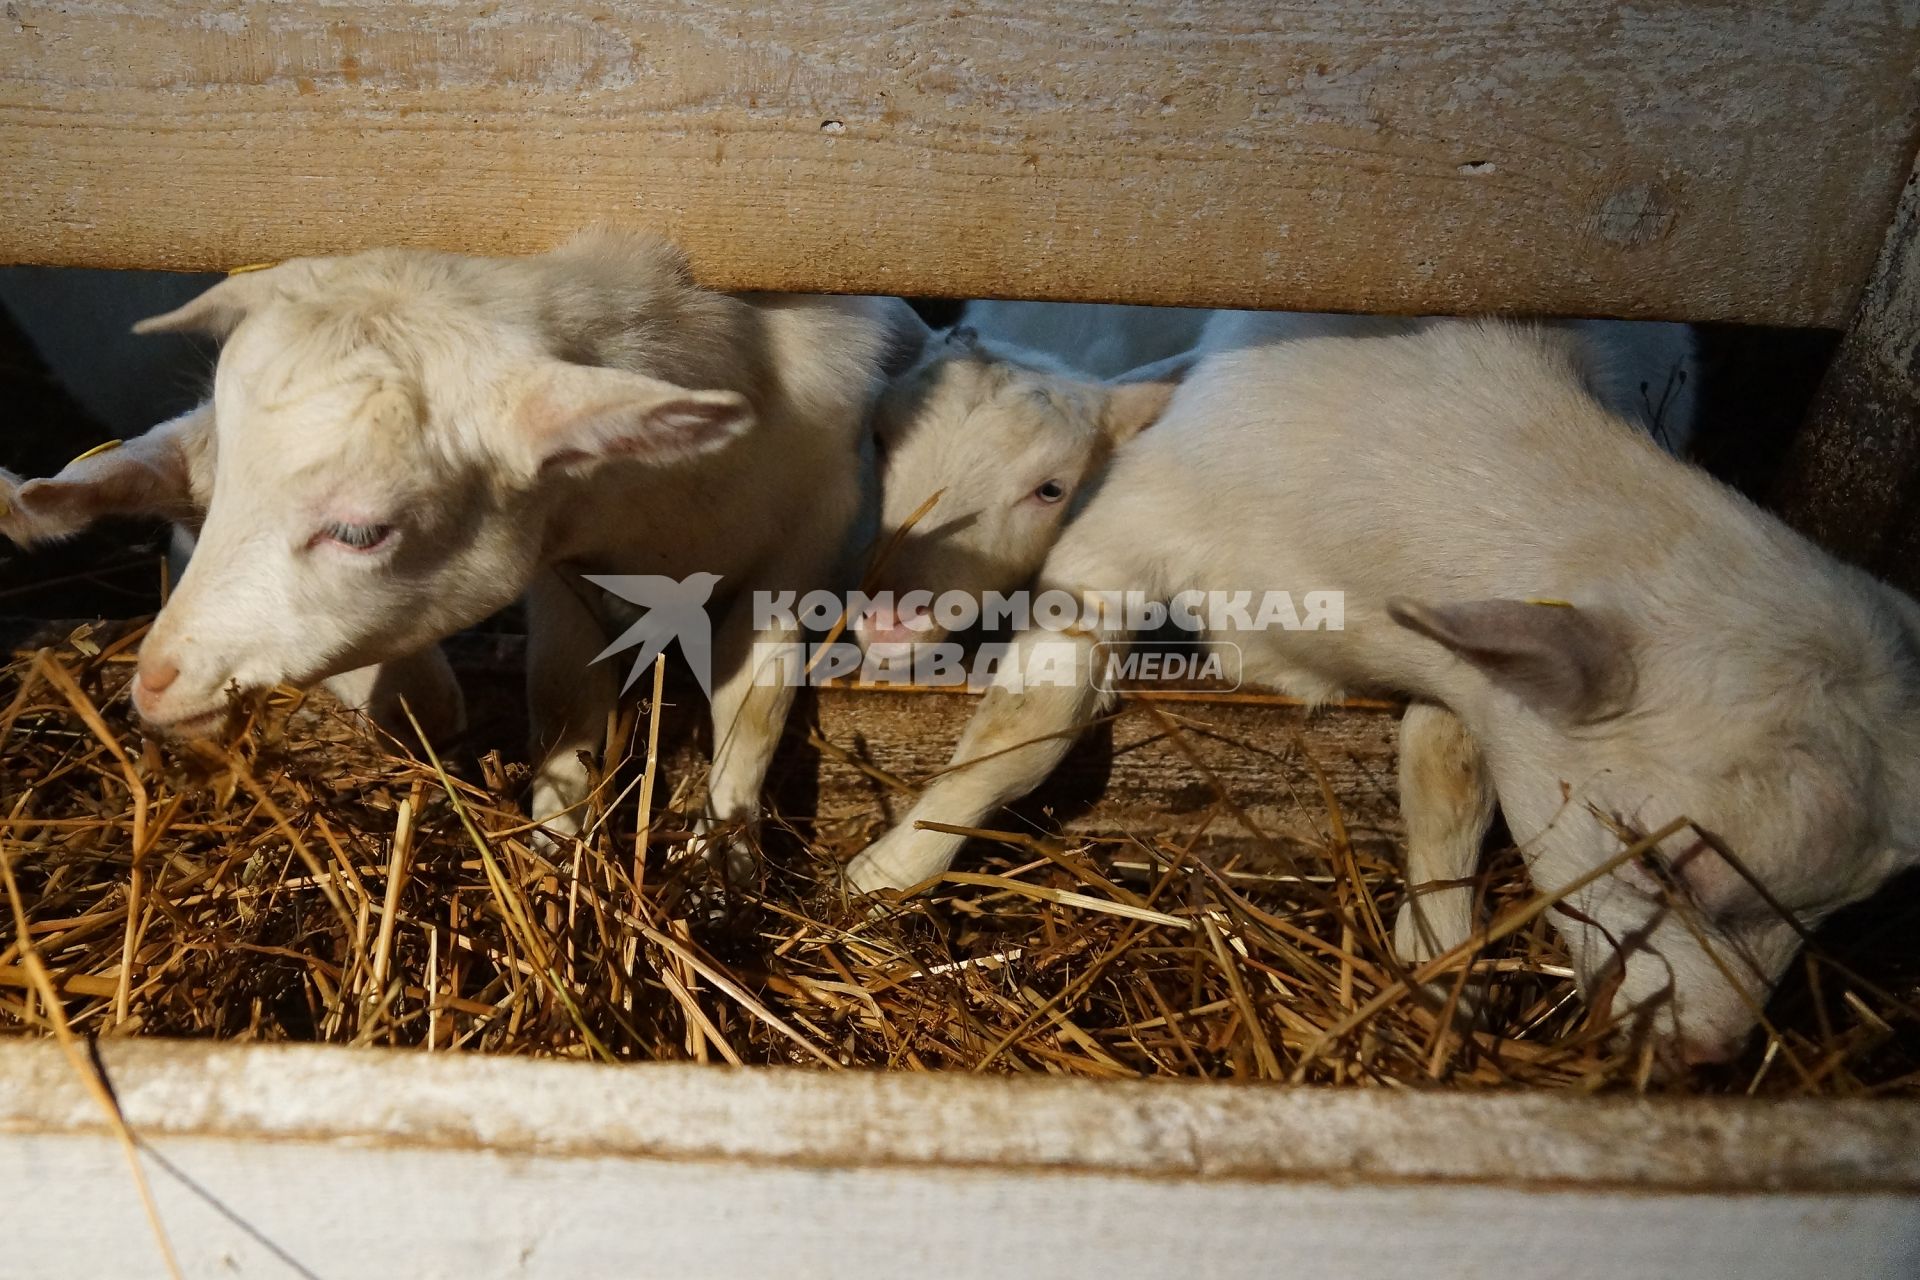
column 1711, row 1053
column 157, row 673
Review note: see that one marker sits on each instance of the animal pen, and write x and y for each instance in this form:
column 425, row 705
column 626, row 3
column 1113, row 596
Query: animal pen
column 1199, row 894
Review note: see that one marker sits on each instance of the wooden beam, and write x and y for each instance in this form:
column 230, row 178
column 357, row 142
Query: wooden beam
column 265, row 1159
column 1852, row 481
column 1224, row 772
column 1672, row 159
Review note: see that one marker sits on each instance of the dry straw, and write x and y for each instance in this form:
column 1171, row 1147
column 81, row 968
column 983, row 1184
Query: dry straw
column 302, row 881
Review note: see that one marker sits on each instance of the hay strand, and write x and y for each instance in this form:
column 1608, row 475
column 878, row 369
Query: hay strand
column 303, row 880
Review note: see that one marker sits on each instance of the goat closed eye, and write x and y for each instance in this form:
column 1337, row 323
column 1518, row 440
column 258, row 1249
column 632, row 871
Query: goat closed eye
column 355, row 537
column 1050, row 492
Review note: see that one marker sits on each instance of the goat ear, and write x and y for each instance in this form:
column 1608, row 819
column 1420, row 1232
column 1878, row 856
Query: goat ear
column 907, row 337
column 1132, row 407
column 572, row 414
column 619, row 252
column 1560, row 660
column 218, row 311
column 1173, row 369
column 150, row 475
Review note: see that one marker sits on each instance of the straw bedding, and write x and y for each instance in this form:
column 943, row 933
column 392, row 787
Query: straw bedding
column 305, row 881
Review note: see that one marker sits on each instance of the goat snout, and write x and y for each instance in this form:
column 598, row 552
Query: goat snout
column 1696, row 1052
column 885, row 624
column 167, row 703
column 156, row 674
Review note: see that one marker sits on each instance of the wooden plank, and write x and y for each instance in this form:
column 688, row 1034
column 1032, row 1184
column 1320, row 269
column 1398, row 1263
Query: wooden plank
column 855, row 755
column 1852, row 481
column 1677, row 159
column 1158, row 769
column 344, row 1161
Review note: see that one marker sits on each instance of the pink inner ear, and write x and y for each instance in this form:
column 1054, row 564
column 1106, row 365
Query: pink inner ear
column 677, row 427
column 694, row 418
column 575, row 413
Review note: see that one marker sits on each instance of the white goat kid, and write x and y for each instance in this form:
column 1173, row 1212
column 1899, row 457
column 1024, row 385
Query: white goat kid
column 1008, row 439
column 1710, row 663
column 1645, row 371
column 1010, row 435
column 409, row 441
column 167, row 473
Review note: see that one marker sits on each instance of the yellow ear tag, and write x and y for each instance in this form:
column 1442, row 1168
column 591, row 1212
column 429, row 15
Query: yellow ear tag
column 1552, row 604
column 98, row 449
column 252, row 266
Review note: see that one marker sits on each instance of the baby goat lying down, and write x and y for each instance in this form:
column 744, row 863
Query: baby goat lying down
column 167, row 473
column 1005, row 425
column 1597, row 636
column 409, row 441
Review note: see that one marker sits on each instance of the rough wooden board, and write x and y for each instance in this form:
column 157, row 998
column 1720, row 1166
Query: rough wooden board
column 348, row 1161
column 1669, row 159
column 1852, row 481
column 1129, row 776
column 680, row 1111
column 853, row 756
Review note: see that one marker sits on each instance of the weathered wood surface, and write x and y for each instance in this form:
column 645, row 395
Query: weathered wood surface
column 1852, row 481
column 1221, row 771
column 1230, row 770
column 855, row 755
column 1676, row 159
column 355, row 1162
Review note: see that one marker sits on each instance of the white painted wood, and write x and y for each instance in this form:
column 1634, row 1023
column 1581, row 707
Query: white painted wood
column 340, row 1211
column 364, row 1164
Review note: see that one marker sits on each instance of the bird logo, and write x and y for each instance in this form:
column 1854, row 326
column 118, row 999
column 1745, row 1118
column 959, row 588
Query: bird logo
column 676, row 609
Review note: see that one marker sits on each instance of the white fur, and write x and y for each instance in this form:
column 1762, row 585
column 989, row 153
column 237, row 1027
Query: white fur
column 168, row 472
column 1647, row 372
column 979, row 428
column 519, row 423
column 1717, row 666
column 1003, row 406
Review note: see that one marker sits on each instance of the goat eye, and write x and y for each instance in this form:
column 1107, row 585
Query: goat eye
column 356, row 537
column 1051, row 491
